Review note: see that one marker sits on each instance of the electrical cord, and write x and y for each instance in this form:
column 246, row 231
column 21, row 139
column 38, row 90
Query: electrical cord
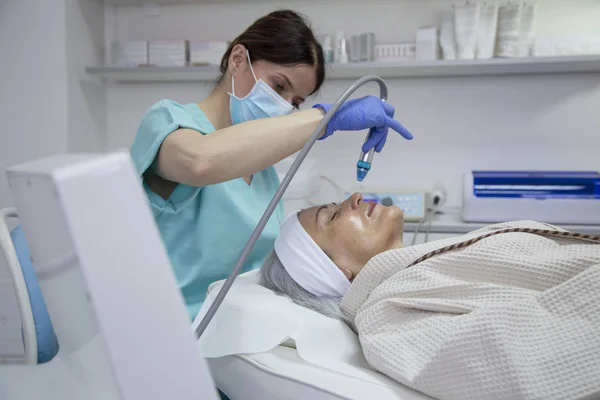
column 416, row 232
column 428, row 218
column 428, row 227
column 433, row 210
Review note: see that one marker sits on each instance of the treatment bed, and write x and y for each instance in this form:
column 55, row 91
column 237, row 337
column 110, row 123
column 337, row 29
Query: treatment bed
column 263, row 346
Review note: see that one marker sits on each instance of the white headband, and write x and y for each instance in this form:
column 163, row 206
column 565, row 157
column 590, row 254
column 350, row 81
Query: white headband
column 306, row 263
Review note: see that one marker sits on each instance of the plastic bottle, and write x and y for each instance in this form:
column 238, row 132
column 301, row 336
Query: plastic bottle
column 341, row 51
column 488, row 26
column 527, row 30
column 328, row 48
column 447, row 42
column 509, row 27
column 466, row 26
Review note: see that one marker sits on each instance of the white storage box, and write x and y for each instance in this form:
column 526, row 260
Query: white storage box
column 207, row 53
column 427, row 44
column 396, row 52
column 168, row 53
column 132, row 53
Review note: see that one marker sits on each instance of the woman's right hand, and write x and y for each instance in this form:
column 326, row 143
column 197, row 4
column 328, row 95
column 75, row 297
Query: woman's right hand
column 367, row 112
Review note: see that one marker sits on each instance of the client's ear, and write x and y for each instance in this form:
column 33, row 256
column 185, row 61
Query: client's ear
column 341, row 265
column 348, row 273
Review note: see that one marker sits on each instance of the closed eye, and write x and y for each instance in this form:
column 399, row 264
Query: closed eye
column 278, row 87
column 335, row 214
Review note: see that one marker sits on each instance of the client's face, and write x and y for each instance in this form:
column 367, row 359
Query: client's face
column 354, row 231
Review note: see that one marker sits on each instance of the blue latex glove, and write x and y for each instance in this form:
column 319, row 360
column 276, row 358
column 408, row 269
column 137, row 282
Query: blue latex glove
column 368, row 112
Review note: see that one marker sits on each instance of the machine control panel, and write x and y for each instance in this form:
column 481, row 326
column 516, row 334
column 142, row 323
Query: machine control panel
column 412, row 203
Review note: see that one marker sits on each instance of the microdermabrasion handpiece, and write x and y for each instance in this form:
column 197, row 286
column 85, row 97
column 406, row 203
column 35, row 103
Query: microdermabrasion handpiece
column 364, row 162
column 363, row 166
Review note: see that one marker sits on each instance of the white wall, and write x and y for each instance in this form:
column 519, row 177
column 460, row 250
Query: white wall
column 48, row 105
column 32, row 104
column 86, row 95
column 459, row 123
column 33, row 83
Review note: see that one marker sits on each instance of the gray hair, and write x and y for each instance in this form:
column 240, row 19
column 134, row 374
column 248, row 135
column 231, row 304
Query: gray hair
column 273, row 276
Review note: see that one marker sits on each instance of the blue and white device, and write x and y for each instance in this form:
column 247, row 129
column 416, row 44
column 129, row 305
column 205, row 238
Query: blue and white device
column 412, row 203
column 559, row 197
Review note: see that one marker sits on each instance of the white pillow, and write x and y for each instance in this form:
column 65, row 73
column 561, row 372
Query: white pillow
column 254, row 319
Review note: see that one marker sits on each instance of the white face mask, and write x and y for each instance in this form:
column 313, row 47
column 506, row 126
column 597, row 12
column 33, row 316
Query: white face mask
column 261, row 102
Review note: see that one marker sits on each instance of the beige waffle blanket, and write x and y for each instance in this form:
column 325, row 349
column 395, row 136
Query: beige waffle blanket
column 511, row 311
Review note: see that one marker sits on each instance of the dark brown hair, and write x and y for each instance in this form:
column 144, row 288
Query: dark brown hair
column 282, row 37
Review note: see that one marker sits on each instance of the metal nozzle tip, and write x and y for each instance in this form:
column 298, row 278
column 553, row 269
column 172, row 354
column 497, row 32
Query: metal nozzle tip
column 361, row 173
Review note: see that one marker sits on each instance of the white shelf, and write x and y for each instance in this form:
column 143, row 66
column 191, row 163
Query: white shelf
column 132, row 3
column 414, row 69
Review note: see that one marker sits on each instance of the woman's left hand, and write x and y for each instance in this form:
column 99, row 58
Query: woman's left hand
column 367, row 112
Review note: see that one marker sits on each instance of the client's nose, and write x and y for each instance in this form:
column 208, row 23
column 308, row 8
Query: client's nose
column 355, row 200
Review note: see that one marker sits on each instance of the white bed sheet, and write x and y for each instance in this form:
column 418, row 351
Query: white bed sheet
column 263, row 346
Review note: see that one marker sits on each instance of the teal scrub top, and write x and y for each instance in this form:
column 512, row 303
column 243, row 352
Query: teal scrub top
column 204, row 228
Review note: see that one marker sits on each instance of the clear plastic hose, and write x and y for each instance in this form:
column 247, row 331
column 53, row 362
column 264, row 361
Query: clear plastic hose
column 383, row 93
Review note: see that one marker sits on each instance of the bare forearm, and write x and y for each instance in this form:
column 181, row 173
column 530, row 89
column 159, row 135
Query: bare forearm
column 240, row 150
column 248, row 148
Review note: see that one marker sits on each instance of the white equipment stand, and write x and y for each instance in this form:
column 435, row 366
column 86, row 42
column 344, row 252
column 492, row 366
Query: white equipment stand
column 119, row 317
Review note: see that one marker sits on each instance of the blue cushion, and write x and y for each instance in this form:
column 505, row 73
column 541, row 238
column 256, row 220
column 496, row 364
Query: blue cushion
column 46, row 338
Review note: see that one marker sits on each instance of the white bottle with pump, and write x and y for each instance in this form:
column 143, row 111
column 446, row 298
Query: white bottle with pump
column 341, row 48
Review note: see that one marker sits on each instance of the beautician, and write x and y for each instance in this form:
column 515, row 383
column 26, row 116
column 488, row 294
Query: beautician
column 207, row 168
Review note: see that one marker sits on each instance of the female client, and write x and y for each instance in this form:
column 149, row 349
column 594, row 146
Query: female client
column 320, row 250
column 507, row 311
